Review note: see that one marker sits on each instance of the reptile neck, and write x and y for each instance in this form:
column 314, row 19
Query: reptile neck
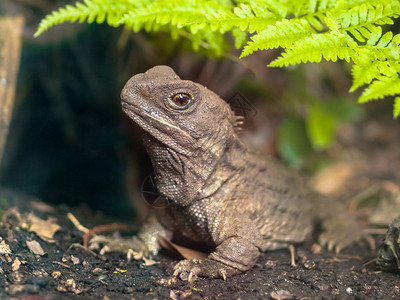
column 183, row 179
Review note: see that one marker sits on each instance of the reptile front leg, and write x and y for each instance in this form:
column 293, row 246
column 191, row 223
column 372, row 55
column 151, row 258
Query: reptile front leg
column 232, row 257
column 238, row 247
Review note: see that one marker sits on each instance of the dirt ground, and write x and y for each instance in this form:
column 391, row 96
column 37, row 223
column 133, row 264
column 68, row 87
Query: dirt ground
column 65, row 272
column 41, row 256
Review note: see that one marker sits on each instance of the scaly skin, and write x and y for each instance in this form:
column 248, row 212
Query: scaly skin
column 220, row 194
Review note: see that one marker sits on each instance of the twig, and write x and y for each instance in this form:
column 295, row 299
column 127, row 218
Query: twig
column 76, row 245
column 375, row 231
column 77, row 224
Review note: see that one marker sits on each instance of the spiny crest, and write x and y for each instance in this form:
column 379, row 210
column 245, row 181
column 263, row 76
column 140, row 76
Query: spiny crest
column 239, row 123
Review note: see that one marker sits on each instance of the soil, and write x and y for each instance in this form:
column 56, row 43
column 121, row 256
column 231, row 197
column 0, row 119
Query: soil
column 62, row 269
column 66, row 272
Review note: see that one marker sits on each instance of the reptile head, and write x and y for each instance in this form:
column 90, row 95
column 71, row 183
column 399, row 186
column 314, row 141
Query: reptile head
column 183, row 115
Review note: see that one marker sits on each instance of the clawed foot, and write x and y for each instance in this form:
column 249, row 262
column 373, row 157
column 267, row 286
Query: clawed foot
column 187, row 269
column 339, row 234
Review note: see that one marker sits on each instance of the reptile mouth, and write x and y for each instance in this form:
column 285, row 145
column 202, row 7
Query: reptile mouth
column 146, row 115
column 128, row 106
column 156, row 126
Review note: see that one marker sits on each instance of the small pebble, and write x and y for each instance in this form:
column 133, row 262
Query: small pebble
column 269, row 264
column 56, row 274
column 17, row 277
column 129, row 290
column 309, row 264
column 316, row 249
column 349, row 290
column 98, row 271
column 103, row 277
column 322, row 286
column 39, row 273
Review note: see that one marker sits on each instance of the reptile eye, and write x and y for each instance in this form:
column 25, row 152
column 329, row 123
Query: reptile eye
column 181, row 100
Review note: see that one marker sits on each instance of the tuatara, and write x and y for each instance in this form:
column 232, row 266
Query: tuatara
column 218, row 192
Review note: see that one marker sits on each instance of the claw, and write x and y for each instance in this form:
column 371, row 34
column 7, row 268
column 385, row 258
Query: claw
column 222, row 273
column 331, row 245
column 188, row 270
column 190, row 275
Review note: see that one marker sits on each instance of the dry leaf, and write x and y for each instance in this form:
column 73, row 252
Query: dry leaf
column 149, row 262
column 139, row 255
column 16, row 264
column 133, row 254
column 173, row 295
column 75, row 260
column 35, row 247
column 332, row 180
column 4, row 248
column 185, row 252
column 44, row 229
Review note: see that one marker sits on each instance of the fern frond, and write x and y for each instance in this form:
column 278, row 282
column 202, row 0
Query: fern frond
column 380, row 88
column 282, row 34
column 366, row 73
column 396, row 107
column 378, row 13
column 187, row 18
column 240, row 37
column 331, row 46
column 250, row 18
column 89, row 11
column 364, row 21
column 280, row 8
column 163, row 13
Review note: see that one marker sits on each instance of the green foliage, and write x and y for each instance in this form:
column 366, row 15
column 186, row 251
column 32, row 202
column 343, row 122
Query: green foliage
column 324, row 118
column 298, row 138
column 306, row 30
column 293, row 144
column 321, row 127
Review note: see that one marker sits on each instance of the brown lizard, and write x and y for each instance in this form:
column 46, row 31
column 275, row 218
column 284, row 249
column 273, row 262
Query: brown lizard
column 218, row 192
